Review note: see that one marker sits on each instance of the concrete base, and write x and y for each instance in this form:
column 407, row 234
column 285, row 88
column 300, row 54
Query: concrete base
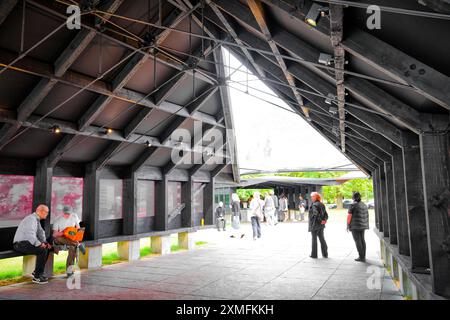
column 48, row 270
column 92, row 259
column 129, row 250
column 161, row 244
column 186, row 240
column 28, row 266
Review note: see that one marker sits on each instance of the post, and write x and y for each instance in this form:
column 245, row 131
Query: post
column 384, row 202
column 391, row 203
column 376, row 199
column 400, row 197
column 416, row 206
column 42, row 189
column 434, row 148
column 208, row 203
column 187, row 197
column 130, row 205
column 161, row 214
column 91, row 198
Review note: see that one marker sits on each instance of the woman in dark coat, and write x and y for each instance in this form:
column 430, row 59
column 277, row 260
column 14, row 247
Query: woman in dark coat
column 318, row 217
column 357, row 223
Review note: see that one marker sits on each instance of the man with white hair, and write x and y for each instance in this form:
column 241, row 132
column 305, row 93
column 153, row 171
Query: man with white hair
column 220, row 216
column 30, row 240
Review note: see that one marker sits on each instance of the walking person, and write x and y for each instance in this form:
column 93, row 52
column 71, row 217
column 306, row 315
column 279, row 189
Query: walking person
column 220, row 216
column 30, row 240
column 269, row 209
column 318, row 217
column 236, row 216
column 276, row 204
column 302, row 207
column 357, row 223
column 256, row 210
column 283, row 208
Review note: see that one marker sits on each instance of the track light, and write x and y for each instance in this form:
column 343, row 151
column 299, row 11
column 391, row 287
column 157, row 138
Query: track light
column 55, row 129
column 326, row 59
column 108, row 131
column 330, row 98
column 314, row 12
column 148, row 144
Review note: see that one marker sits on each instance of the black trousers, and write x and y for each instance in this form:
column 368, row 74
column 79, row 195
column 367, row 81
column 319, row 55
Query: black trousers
column 256, row 226
column 358, row 236
column 41, row 254
column 323, row 244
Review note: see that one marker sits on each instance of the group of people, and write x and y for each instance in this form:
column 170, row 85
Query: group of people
column 273, row 209
column 30, row 239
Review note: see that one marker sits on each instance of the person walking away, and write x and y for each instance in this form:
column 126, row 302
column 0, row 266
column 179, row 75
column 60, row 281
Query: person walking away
column 302, row 207
column 236, row 216
column 318, row 217
column 357, row 223
column 269, row 209
column 220, row 216
column 30, row 239
column 256, row 213
column 276, row 204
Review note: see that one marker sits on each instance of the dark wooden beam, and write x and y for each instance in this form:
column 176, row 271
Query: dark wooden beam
column 35, row 67
column 6, row 6
column 91, row 199
column 428, row 82
column 400, row 201
column 392, row 208
column 197, row 103
column 336, row 35
column 168, row 88
column 57, row 153
column 434, row 148
column 130, row 219
column 442, row 6
column 412, row 167
column 231, row 30
column 7, row 132
column 134, row 124
column 259, row 14
column 33, row 100
column 112, row 149
column 42, row 189
column 142, row 159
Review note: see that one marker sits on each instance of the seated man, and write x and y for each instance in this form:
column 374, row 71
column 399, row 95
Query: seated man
column 30, row 240
column 67, row 220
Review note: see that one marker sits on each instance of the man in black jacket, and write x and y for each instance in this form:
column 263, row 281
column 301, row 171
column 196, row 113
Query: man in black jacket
column 318, row 217
column 357, row 223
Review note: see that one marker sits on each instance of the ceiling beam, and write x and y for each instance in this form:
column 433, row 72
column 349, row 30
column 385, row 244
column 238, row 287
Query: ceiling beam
column 198, row 102
column 57, row 153
column 336, row 34
column 389, row 60
column 442, row 6
column 112, row 149
column 260, row 16
column 7, row 132
column 32, row 66
column 231, row 30
column 142, row 159
column 6, row 6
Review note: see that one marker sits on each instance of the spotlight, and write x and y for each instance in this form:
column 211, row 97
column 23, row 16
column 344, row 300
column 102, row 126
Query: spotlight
column 314, row 12
column 333, row 110
column 330, row 98
column 148, row 144
column 108, row 131
column 56, row 129
column 326, row 59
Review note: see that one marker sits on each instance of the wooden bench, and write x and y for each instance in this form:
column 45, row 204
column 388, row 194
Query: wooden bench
column 9, row 254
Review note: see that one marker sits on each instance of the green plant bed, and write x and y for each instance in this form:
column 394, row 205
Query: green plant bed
column 201, row 243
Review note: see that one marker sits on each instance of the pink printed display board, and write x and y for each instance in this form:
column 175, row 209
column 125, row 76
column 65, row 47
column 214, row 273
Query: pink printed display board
column 16, row 198
column 66, row 191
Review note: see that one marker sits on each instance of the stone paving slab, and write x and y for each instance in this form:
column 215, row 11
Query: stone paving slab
column 277, row 266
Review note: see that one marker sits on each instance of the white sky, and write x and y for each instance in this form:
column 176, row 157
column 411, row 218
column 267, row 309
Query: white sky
column 268, row 137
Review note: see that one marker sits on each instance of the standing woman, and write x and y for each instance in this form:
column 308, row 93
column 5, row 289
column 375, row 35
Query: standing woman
column 318, row 217
column 236, row 215
column 357, row 223
column 256, row 209
column 284, row 208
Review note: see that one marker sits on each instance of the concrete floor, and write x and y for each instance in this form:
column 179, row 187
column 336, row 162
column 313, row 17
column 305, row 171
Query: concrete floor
column 277, row 266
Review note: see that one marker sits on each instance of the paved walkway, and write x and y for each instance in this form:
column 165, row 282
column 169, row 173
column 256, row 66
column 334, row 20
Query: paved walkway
column 277, row 266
